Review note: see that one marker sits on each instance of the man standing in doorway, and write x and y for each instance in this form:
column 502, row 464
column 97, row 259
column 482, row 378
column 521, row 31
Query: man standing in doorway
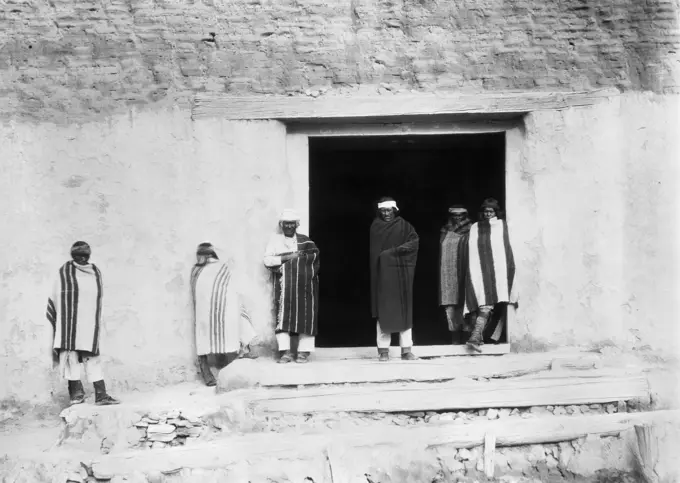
column 74, row 311
column 491, row 271
column 393, row 255
column 293, row 258
column 453, row 270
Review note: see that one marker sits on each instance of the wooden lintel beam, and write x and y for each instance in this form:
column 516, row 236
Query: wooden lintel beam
column 337, row 106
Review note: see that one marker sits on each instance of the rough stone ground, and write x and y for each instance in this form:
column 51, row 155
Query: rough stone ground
column 90, row 443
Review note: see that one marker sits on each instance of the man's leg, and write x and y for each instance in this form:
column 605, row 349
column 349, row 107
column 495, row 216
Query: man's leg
column 477, row 337
column 383, row 340
column 305, row 347
column 206, row 372
column 246, row 337
column 283, row 341
column 93, row 369
column 70, row 370
column 406, row 343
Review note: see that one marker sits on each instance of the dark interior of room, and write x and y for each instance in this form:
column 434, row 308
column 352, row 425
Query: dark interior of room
column 425, row 174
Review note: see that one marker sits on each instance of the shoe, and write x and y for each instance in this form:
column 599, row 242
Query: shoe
column 302, row 358
column 286, row 357
column 76, row 392
column 246, row 353
column 407, row 355
column 107, row 401
column 476, row 340
column 101, row 398
column 384, row 355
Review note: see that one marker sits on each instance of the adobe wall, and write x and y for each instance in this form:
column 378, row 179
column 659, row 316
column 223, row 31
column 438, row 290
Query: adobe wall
column 67, row 61
column 97, row 143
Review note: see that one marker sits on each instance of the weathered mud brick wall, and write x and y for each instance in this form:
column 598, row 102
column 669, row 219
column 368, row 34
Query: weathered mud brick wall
column 66, row 58
column 97, row 143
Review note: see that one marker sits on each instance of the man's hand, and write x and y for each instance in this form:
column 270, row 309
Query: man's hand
column 290, row 256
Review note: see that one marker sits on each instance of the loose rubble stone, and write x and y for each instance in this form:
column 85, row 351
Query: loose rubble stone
column 164, row 437
column 158, row 445
column 160, row 428
column 559, row 411
column 621, row 406
column 514, row 412
column 611, row 408
column 504, row 413
column 464, row 454
column 492, row 414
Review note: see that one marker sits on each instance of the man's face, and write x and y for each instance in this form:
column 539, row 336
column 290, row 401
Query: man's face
column 81, row 259
column 288, row 228
column 488, row 213
column 386, row 214
column 457, row 218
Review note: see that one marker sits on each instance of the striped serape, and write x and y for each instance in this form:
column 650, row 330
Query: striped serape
column 491, row 267
column 75, row 307
column 296, row 291
column 221, row 321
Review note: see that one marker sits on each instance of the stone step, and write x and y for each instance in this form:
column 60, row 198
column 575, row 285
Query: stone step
column 427, row 351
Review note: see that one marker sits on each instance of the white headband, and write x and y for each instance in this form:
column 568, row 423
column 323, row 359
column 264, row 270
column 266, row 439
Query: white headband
column 388, row 204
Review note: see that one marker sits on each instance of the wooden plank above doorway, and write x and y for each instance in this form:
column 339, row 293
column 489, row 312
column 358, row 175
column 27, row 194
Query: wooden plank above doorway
column 336, row 106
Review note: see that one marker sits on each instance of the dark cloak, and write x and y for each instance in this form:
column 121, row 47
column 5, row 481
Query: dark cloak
column 393, row 255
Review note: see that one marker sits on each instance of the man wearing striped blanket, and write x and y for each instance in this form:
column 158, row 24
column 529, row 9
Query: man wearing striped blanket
column 293, row 259
column 491, row 272
column 74, row 311
column 221, row 322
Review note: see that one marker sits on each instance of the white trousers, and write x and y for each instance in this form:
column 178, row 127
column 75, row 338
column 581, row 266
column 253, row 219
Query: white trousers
column 305, row 342
column 384, row 339
column 70, row 367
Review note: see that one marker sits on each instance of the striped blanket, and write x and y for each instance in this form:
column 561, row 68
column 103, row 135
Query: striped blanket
column 453, row 264
column 491, row 267
column 75, row 307
column 220, row 319
column 296, row 291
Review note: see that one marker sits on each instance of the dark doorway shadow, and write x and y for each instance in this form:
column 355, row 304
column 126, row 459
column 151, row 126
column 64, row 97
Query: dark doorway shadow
column 425, row 174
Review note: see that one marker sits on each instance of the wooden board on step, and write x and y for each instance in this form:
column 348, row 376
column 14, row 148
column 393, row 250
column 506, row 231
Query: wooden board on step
column 543, row 389
column 260, row 446
column 268, row 374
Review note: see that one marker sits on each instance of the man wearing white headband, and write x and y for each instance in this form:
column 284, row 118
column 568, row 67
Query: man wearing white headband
column 293, row 259
column 393, row 255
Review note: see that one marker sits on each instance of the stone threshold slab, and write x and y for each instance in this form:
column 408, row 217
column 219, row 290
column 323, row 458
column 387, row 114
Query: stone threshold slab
column 423, row 351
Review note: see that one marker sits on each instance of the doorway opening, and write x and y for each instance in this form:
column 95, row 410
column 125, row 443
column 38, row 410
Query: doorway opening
column 425, row 174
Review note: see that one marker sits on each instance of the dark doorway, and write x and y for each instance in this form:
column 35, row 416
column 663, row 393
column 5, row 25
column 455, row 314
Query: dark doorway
column 425, row 174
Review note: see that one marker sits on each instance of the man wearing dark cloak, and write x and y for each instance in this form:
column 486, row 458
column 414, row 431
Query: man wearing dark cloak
column 393, row 255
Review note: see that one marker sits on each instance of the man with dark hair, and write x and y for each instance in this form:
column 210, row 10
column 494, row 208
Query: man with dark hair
column 453, row 269
column 393, row 256
column 491, row 270
column 221, row 322
column 74, row 311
